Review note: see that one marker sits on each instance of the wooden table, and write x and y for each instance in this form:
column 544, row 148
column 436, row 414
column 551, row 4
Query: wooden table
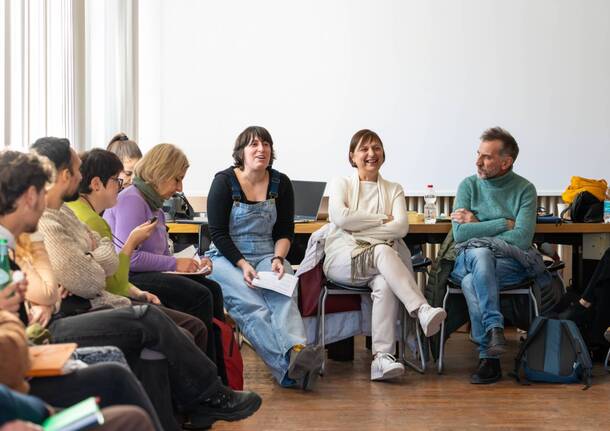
column 423, row 229
column 419, row 233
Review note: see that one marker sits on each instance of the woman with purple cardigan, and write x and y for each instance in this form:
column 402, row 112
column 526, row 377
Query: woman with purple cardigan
column 157, row 176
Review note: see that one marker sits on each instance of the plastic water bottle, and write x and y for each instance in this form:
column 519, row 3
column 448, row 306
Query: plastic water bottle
column 607, row 206
column 5, row 268
column 430, row 206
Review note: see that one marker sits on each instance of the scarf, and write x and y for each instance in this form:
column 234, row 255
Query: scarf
column 363, row 253
column 150, row 195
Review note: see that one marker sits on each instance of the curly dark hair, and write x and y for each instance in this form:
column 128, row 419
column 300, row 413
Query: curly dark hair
column 18, row 172
column 245, row 138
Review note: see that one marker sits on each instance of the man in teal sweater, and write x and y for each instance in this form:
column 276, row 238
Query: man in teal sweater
column 496, row 203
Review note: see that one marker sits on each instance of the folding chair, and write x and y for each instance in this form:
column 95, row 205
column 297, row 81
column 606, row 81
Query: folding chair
column 334, row 288
column 523, row 288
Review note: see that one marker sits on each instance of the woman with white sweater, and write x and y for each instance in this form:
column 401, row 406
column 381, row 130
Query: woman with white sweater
column 365, row 247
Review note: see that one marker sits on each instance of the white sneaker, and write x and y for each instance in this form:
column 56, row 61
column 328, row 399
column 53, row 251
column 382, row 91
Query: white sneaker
column 430, row 319
column 385, row 367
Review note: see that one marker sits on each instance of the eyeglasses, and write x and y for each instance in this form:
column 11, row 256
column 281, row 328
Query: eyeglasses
column 118, row 180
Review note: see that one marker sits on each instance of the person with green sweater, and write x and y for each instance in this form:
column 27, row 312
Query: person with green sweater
column 500, row 206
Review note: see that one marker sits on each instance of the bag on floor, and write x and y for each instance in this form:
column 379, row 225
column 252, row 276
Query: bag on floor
column 554, row 352
column 234, row 364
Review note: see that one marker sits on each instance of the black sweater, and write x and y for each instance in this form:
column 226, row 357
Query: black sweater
column 220, row 203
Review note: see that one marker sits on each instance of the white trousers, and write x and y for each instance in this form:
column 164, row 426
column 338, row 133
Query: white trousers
column 391, row 281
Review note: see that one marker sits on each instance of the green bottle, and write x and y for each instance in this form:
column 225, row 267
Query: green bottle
column 5, row 266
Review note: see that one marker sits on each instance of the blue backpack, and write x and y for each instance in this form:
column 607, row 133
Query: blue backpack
column 554, row 352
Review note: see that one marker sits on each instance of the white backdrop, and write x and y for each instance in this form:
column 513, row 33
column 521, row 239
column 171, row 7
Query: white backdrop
column 428, row 76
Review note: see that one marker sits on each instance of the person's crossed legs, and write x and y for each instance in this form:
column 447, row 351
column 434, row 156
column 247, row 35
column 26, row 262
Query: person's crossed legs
column 482, row 276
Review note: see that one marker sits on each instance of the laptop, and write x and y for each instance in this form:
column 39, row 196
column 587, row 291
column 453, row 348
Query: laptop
column 307, row 200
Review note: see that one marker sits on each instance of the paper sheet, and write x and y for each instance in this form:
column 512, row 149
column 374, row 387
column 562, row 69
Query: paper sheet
column 268, row 280
column 190, row 253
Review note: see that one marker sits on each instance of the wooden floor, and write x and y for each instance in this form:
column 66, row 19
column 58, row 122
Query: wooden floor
column 345, row 399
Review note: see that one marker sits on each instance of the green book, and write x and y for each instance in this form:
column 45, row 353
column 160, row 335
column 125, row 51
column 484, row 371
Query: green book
column 81, row 416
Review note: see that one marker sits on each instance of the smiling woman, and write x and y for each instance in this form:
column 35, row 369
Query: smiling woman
column 364, row 246
column 251, row 219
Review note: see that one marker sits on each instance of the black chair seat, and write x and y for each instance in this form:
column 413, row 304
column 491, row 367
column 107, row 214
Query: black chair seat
column 420, row 264
column 525, row 284
column 553, row 266
column 333, row 285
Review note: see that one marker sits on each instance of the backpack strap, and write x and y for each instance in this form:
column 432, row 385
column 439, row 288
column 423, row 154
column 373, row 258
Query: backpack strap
column 274, row 189
column 535, row 329
column 582, row 354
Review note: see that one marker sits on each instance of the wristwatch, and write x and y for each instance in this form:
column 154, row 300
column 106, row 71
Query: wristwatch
column 278, row 257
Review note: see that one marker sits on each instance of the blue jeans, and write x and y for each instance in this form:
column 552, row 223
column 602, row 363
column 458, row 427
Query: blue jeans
column 482, row 276
column 269, row 320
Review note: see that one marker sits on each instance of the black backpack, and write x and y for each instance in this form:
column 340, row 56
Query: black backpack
column 585, row 208
column 554, row 352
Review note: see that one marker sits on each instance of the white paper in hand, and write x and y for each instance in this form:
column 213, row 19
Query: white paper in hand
column 190, row 253
column 268, row 280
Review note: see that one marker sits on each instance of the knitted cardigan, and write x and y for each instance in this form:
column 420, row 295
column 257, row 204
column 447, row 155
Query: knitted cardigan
column 80, row 258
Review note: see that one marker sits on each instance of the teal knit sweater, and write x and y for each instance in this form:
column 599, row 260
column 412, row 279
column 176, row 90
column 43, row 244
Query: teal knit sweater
column 494, row 201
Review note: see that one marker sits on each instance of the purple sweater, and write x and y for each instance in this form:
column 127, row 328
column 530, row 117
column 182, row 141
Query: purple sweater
column 130, row 211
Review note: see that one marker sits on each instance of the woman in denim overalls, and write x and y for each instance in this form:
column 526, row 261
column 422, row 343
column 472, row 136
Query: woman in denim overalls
column 250, row 213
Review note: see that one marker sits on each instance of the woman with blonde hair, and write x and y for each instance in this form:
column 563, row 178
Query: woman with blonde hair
column 157, row 176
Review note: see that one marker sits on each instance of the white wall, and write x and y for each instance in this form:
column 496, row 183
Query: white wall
column 428, row 76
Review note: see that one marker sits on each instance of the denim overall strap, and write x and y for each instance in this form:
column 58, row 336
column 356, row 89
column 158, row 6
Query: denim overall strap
column 275, row 184
column 235, row 188
column 273, row 189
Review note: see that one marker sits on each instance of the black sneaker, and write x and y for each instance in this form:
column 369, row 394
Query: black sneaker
column 227, row 405
column 497, row 343
column 489, row 371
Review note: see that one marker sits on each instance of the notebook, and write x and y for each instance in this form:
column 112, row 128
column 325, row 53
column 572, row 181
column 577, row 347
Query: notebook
column 307, row 200
column 81, row 416
column 49, row 359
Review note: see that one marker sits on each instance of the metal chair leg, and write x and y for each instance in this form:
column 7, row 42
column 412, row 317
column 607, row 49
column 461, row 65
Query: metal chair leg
column 318, row 317
column 441, row 349
column 323, row 330
column 533, row 301
column 403, row 346
column 402, row 340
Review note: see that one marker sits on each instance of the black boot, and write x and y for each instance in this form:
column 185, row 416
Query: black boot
column 225, row 404
column 497, row 343
column 489, row 371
